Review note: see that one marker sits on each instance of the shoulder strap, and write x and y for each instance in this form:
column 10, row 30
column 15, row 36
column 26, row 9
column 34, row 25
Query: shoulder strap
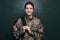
column 23, row 21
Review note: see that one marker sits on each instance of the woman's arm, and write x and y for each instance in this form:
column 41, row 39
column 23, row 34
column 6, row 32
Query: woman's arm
column 38, row 32
column 17, row 29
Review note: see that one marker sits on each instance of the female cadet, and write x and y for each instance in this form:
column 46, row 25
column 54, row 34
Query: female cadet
column 33, row 26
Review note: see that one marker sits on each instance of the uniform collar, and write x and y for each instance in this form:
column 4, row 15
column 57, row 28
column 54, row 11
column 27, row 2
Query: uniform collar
column 27, row 18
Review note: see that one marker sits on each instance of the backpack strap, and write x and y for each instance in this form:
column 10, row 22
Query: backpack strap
column 24, row 24
column 23, row 21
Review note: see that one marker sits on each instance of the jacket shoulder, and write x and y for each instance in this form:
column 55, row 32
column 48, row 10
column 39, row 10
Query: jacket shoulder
column 36, row 19
column 19, row 20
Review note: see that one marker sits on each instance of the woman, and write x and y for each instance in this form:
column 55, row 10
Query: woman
column 33, row 26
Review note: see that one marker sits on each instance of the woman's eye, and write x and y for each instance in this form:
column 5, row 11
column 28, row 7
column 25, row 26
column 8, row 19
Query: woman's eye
column 31, row 8
column 26, row 8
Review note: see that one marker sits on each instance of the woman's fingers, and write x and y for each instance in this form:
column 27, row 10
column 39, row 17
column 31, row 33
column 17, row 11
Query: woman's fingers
column 27, row 28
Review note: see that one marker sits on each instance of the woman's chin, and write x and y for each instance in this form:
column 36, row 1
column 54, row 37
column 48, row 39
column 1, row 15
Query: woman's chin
column 29, row 15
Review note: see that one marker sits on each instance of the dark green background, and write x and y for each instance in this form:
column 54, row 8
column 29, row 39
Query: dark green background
column 47, row 10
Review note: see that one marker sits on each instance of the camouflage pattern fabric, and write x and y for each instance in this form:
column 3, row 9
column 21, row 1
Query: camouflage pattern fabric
column 36, row 29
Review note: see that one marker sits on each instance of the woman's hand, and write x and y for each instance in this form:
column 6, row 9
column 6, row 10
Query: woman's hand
column 27, row 28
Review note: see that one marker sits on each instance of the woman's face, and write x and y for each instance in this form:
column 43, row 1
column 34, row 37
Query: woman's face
column 29, row 9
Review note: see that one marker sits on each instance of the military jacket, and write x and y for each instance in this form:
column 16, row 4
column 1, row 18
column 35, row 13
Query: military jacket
column 36, row 29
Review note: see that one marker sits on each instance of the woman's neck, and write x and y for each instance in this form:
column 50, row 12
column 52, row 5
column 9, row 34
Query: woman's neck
column 29, row 16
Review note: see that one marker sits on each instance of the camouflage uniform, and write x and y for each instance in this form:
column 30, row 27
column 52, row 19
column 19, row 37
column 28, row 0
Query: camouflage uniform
column 36, row 29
